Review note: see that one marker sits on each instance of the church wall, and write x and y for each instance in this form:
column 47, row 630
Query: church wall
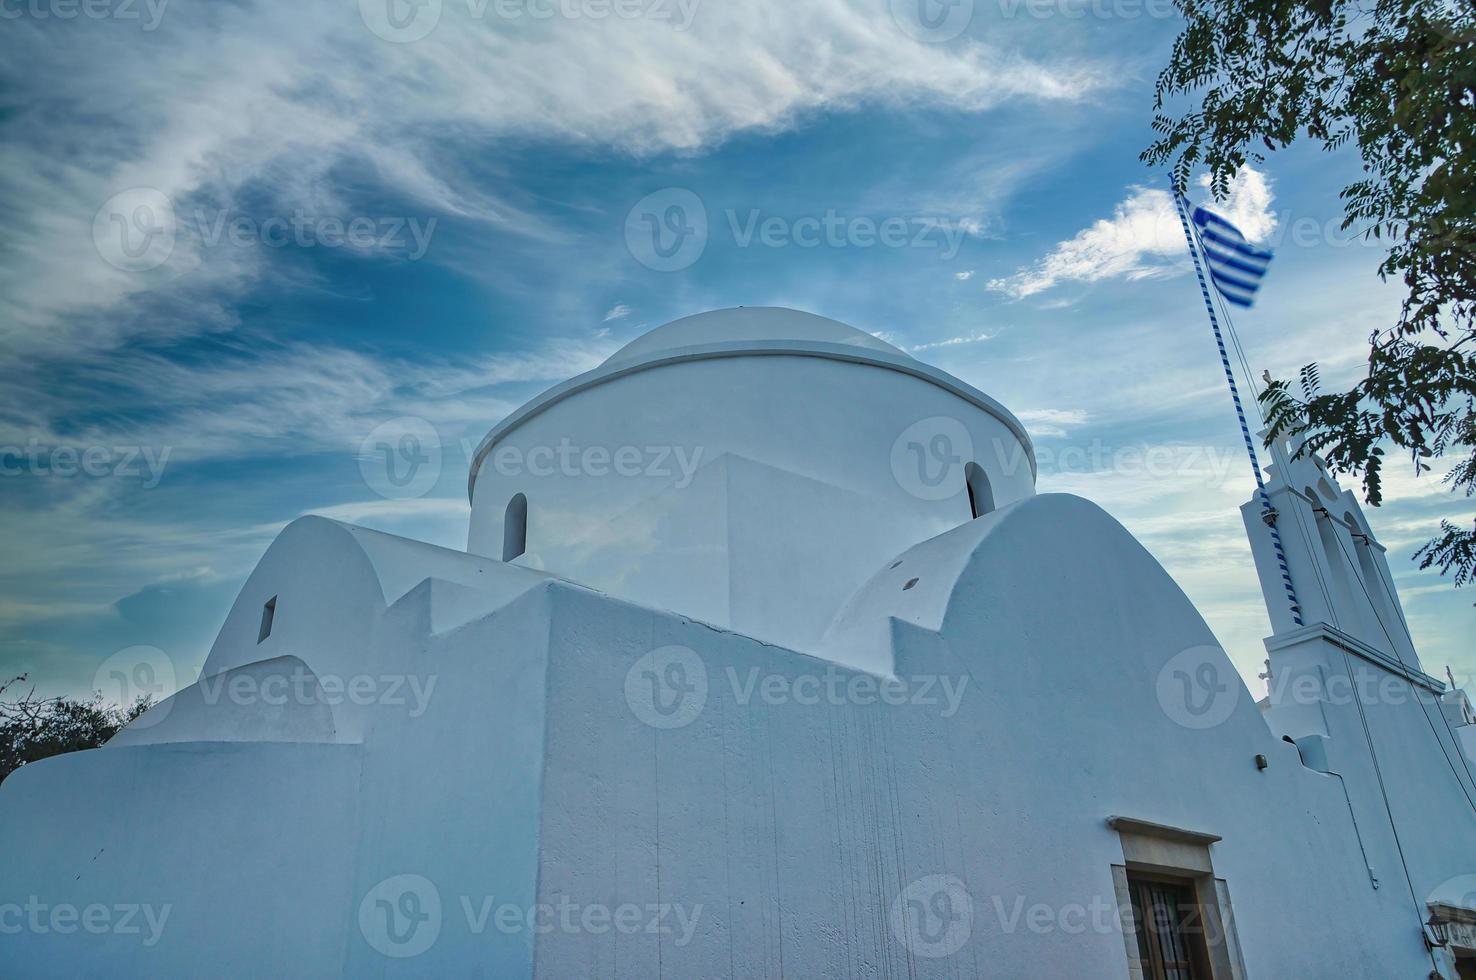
column 452, row 795
column 1413, row 775
column 776, row 829
column 797, row 826
column 129, row 830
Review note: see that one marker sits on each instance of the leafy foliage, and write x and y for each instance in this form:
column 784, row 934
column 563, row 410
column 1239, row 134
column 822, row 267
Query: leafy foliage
column 1397, row 80
column 33, row 728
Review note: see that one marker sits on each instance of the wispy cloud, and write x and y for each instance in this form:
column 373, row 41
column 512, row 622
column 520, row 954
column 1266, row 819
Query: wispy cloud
column 252, row 422
column 972, row 191
column 617, row 312
column 1044, row 422
column 294, row 398
column 1144, row 238
column 273, row 104
column 964, row 276
column 978, row 336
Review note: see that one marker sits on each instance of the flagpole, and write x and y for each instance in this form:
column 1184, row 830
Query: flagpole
column 1268, row 513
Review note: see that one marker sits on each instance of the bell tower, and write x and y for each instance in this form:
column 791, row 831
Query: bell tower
column 1339, row 569
column 1348, row 690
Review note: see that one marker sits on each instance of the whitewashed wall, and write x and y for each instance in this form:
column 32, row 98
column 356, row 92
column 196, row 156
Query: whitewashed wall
column 784, row 831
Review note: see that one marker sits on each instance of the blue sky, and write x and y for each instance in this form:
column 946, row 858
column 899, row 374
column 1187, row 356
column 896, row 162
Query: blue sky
column 361, row 224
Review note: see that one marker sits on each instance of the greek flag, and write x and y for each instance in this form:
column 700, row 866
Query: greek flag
column 1235, row 265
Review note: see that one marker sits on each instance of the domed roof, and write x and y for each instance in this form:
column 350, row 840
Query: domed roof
column 756, row 325
column 741, row 333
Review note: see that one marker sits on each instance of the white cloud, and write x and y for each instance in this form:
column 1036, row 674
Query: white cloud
column 1044, row 422
column 1248, row 206
column 228, row 103
column 1142, row 232
column 978, row 336
column 1144, row 238
column 617, row 312
column 368, row 511
column 964, row 276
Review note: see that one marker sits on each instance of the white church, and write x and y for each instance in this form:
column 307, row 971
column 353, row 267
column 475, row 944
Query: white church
column 765, row 658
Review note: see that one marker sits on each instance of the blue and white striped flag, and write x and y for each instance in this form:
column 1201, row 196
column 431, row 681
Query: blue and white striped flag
column 1235, row 265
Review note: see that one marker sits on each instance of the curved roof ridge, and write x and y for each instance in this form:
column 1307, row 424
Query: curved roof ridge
column 758, row 325
column 612, row 370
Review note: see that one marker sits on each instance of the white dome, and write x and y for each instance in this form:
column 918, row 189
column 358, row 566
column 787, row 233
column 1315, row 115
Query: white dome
column 746, row 324
column 750, row 467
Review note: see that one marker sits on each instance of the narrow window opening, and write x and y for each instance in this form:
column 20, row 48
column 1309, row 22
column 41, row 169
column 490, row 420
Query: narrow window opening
column 1373, row 579
column 1170, row 927
column 981, row 495
column 515, row 528
column 268, row 614
column 1334, row 554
